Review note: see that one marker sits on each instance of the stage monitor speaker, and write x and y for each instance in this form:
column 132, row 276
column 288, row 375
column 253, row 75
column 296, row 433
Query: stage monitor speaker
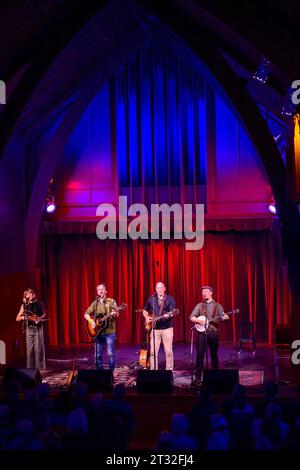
column 97, row 380
column 27, row 378
column 220, row 380
column 154, row 381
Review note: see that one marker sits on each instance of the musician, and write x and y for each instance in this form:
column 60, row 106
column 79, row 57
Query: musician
column 160, row 304
column 207, row 314
column 101, row 306
column 31, row 312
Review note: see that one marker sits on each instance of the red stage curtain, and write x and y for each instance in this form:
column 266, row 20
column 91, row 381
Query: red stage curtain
column 245, row 268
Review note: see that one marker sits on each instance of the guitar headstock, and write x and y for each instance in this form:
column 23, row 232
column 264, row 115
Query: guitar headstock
column 233, row 312
column 122, row 306
column 174, row 312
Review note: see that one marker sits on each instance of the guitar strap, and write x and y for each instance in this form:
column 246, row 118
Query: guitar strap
column 161, row 305
column 215, row 310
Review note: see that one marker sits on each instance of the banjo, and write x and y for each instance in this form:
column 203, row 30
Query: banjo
column 204, row 326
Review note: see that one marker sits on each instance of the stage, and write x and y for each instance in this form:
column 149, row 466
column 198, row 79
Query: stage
column 64, row 361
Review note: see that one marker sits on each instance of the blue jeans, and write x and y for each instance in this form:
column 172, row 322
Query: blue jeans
column 109, row 340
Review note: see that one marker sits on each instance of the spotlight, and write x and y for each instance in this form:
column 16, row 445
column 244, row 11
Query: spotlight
column 262, row 73
column 272, row 208
column 50, row 203
column 49, row 206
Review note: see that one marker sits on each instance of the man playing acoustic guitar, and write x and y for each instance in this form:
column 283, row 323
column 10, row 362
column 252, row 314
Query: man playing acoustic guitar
column 104, row 308
column 163, row 306
column 206, row 316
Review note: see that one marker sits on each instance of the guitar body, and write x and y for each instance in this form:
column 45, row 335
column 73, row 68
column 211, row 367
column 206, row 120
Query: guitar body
column 144, row 360
column 149, row 325
column 153, row 319
column 90, row 330
column 100, row 326
column 101, row 322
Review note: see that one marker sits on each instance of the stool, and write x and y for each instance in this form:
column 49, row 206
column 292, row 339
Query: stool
column 248, row 327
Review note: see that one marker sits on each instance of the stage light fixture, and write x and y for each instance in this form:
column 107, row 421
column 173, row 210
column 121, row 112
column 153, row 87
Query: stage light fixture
column 50, row 205
column 272, row 208
column 262, row 73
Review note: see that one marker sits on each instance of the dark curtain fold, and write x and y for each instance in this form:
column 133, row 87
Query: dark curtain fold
column 245, row 268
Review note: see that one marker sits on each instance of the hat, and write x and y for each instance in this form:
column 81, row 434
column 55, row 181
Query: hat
column 207, row 287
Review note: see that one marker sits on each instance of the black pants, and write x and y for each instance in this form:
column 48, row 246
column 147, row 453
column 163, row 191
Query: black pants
column 213, row 345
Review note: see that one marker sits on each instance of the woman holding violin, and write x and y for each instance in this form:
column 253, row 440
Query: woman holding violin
column 32, row 312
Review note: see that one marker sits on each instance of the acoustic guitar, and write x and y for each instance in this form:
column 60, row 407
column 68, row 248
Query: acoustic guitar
column 153, row 319
column 101, row 322
column 144, row 359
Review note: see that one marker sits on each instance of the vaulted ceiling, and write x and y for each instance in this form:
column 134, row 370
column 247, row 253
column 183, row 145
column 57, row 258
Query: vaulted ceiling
column 49, row 48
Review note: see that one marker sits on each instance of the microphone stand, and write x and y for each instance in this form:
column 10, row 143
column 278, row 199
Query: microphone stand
column 95, row 339
column 191, row 353
column 25, row 329
column 206, row 333
column 153, row 335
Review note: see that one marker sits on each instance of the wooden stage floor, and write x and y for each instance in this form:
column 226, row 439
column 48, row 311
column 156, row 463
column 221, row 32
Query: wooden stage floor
column 254, row 369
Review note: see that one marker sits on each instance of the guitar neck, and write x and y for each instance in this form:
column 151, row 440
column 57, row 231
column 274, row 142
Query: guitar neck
column 158, row 318
column 105, row 317
column 231, row 312
column 171, row 314
column 116, row 309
